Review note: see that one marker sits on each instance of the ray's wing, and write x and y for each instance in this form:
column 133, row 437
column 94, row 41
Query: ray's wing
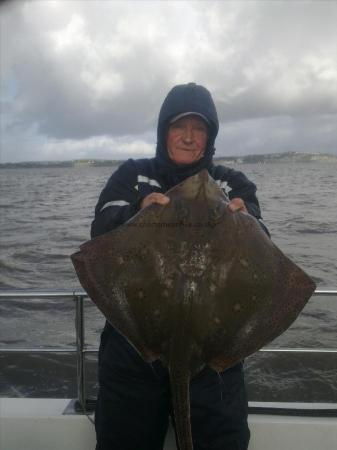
column 262, row 293
column 123, row 274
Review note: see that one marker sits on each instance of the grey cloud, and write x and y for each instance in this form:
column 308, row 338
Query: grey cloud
column 278, row 134
column 81, row 71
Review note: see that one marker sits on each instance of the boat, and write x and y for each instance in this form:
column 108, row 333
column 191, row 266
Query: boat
column 59, row 424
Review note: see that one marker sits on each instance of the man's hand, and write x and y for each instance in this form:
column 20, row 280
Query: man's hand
column 154, row 197
column 237, row 204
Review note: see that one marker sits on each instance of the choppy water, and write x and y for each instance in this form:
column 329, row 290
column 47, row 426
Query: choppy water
column 45, row 214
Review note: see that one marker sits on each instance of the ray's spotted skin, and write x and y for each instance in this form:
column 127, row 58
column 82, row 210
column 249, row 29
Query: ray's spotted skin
column 193, row 282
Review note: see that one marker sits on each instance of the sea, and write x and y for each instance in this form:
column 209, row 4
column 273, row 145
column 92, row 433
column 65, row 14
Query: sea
column 45, row 214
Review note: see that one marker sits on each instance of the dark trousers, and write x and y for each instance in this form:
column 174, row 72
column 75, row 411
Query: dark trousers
column 133, row 404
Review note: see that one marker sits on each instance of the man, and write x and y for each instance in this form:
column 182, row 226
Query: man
column 134, row 399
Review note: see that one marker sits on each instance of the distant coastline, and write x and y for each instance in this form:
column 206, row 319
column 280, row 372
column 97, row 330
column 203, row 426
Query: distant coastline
column 269, row 158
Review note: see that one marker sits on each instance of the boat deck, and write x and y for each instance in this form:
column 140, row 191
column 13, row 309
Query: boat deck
column 52, row 424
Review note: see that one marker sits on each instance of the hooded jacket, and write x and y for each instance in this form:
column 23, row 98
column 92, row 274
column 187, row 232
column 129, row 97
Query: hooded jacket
column 135, row 179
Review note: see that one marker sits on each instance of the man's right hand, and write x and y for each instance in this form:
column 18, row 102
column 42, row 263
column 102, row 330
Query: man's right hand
column 154, row 197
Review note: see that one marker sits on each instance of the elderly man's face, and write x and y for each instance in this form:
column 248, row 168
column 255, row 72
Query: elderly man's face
column 187, row 139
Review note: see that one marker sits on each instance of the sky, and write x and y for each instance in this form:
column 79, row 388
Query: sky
column 86, row 79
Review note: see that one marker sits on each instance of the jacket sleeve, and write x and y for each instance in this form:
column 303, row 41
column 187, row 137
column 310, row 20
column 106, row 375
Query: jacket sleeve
column 119, row 200
column 243, row 188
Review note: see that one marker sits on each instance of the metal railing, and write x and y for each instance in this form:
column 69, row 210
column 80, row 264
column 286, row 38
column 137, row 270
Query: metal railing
column 80, row 349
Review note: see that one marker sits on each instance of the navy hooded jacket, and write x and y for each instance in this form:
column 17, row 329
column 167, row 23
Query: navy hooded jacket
column 135, row 179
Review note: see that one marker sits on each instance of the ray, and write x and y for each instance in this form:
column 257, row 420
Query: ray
column 192, row 283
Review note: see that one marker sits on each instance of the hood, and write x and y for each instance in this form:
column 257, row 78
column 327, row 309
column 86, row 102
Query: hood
column 181, row 99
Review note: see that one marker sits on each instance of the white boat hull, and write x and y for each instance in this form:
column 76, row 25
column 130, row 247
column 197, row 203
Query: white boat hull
column 40, row 424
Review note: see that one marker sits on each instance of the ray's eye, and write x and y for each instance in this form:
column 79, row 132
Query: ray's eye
column 215, row 213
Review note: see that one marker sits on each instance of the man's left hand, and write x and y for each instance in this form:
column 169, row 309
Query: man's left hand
column 237, row 204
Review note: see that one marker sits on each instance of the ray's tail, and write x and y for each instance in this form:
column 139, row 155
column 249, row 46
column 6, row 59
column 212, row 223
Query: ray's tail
column 181, row 352
column 179, row 380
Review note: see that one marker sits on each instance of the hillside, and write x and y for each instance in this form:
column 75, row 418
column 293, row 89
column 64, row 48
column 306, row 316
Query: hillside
column 269, row 158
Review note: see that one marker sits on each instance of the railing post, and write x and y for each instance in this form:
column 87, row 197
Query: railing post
column 79, row 322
